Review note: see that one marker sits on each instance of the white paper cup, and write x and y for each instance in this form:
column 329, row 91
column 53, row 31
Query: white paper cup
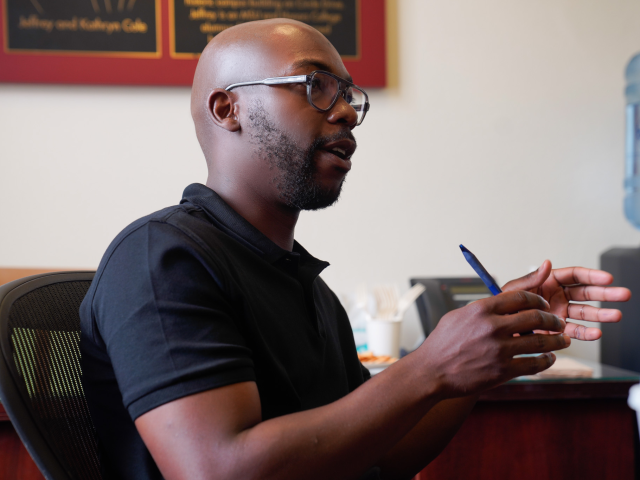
column 383, row 336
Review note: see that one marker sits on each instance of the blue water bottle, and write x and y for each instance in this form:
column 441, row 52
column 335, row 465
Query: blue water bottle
column 632, row 143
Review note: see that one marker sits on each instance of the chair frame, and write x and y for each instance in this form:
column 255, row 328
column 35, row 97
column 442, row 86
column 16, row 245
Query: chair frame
column 12, row 393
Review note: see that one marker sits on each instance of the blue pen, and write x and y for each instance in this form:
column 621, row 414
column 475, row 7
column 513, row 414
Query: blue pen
column 483, row 274
column 481, row 271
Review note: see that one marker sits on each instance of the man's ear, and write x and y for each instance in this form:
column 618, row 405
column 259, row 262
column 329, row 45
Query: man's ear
column 222, row 110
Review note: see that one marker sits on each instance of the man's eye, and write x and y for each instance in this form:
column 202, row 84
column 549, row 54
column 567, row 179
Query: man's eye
column 348, row 95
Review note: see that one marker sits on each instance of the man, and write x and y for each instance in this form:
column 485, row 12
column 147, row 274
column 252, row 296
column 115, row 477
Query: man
column 212, row 349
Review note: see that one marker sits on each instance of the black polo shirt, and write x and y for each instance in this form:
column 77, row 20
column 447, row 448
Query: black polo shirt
column 193, row 297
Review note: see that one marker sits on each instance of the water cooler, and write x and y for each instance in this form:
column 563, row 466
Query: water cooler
column 620, row 344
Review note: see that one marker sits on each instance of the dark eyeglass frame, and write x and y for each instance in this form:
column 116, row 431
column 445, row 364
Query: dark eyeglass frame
column 343, row 85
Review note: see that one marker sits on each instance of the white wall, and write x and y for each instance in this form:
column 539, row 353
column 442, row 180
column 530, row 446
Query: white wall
column 504, row 132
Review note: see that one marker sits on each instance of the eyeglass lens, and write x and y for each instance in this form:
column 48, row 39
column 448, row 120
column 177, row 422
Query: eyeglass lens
column 325, row 88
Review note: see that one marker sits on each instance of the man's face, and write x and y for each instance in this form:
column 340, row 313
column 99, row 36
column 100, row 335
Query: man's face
column 294, row 139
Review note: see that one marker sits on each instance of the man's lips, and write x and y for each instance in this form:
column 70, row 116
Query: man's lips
column 336, row 161
column 343, row 148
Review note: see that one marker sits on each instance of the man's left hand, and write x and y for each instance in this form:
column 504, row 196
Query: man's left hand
column 563, row 286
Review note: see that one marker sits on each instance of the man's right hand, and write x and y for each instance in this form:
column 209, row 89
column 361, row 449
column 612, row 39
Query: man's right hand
column 473, row 347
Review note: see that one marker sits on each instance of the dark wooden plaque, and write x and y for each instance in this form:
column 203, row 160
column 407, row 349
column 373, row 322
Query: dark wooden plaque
column 91, row 27
column 194, row 23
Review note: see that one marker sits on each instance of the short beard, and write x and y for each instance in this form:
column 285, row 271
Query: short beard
column 296, row 170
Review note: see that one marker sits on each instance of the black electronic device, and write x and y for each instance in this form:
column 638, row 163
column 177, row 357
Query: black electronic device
column 619, row 343
column 445, row 294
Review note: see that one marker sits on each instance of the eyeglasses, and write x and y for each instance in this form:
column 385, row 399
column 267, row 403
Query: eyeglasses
column 323, row 89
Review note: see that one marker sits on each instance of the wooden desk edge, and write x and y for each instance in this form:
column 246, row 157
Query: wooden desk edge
column 570, row 389
column 8, row 274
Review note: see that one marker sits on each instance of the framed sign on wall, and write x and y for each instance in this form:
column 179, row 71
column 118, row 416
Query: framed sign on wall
column 158, row 42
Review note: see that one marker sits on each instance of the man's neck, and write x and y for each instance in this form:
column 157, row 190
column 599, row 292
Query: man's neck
column 276, row 221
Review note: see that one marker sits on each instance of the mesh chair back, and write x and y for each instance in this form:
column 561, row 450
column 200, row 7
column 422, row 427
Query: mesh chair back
column 40, row 386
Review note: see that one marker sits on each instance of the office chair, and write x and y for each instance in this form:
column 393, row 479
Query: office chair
column 40, row 373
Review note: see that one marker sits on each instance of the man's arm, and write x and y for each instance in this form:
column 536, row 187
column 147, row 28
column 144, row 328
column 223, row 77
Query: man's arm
column 218, row 434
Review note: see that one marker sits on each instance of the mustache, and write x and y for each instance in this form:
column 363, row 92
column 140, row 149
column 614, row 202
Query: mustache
column 320, row 142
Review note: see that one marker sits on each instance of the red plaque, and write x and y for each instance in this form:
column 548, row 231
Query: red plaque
column 157, row 42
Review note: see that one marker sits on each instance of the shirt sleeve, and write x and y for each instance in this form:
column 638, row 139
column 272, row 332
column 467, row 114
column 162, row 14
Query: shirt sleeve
column 165, row 320
column 366, row 374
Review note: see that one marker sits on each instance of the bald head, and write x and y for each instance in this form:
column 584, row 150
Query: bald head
column 247, row 52
column 241, row 52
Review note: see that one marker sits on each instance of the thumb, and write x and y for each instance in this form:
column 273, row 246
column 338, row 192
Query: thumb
column 531, row 280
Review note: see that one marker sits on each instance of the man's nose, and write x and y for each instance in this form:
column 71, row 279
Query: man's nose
column 342, row 112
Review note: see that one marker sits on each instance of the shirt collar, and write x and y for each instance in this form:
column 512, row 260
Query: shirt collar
column 234, row 225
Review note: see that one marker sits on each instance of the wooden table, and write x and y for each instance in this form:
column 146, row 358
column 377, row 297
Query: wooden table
column 526, row 429
column 560, row 429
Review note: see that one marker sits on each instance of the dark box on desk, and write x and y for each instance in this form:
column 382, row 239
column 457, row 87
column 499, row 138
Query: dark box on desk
column 620, row 344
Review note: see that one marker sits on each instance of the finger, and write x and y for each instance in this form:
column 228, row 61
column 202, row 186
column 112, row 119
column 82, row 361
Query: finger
column 513, row 302
column 579, row 311
column 585, row 293
column 528, row 320
column 530, row 281
column 581, row 275
column 537, row 343
column 531, row 365
column 580, row 332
